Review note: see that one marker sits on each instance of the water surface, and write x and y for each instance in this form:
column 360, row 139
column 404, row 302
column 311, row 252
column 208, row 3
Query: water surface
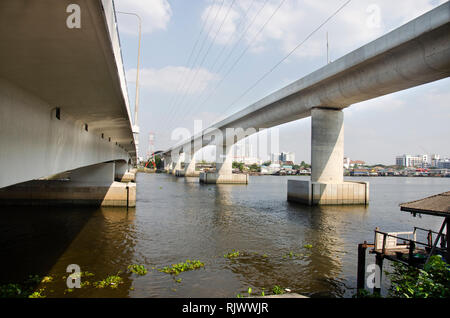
column 177, row 219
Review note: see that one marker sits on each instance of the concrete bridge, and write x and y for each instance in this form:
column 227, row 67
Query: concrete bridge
column 411, row 55
column 63, row 104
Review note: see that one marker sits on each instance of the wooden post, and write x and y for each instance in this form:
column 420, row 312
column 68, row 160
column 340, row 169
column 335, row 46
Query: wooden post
column 412, row 247
column 361, row 274
column 430, row 239
column 447, row 222
column 379, row 263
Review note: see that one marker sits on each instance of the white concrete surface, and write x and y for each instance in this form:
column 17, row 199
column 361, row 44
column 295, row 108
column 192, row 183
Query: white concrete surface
column 327, row 145
column 315, row 193
column 44, row 65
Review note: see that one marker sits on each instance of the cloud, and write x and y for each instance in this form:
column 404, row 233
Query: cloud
column 167, row 79
column 155, row 15
column 358, row 23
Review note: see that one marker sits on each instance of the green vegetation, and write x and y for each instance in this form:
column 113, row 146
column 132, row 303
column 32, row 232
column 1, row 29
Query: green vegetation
column 255, row 168
column 232, row 254
column 307, row 246
column 238, row 165
column 37, row 294
column 110, row 281
column 176, row 269
column 292, row 255
column 47, row 279
column 433, row 281
column 25, row 289
column 137, row 269
column 277, row 290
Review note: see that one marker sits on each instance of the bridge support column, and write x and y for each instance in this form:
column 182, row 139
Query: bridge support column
column 224, row 169
column 177, row 166
column 327, row 185
column 123, row 173
column 189, row 169
column 169, row 165
column 90, row 186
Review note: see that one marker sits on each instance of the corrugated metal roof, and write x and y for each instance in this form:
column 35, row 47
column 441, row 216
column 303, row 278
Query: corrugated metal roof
column 434, row 205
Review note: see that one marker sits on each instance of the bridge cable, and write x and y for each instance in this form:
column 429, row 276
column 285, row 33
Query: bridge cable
column 184, row 74
column 225, row 46
column 187, row 79
column 243, row 53
column 209, row 48
column 288, row 55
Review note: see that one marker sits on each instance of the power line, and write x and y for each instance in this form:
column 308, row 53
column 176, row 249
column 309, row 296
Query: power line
column 236, row 45
column 289, row 54
column 245, row 51
column 209, row 48
column 195, row 61
column 190, row 57
column 226, row 45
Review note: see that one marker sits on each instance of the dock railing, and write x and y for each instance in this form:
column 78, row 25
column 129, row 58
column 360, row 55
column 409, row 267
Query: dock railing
column 389, row 241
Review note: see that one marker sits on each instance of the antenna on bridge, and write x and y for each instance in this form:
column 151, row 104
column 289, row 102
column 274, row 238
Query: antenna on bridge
column 328, row 48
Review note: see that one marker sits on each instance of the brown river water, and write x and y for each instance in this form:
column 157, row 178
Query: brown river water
column 178, row 219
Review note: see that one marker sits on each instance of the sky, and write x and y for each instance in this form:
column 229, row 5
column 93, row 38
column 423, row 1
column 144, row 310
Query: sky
column 198, row 58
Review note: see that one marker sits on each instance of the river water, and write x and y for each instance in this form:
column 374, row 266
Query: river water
column 178, row 219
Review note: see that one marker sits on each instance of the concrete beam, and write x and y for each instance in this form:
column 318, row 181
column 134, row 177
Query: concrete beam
column 416, row 53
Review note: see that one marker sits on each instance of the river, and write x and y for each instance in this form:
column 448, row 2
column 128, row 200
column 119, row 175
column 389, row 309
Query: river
column 176, row 219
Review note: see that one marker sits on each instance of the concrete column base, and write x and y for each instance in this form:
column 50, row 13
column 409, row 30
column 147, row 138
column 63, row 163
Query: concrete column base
column 215, row 178
column 314, row 193
column 69, row 193
column 127, row 177
column 183, row 173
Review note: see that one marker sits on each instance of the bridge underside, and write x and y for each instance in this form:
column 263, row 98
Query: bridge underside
column 63, row 100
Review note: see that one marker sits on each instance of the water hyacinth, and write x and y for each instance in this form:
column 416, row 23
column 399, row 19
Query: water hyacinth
column 176, row 269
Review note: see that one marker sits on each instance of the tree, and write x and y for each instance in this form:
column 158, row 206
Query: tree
column 238, row 165
column 433, row 281
column 267, row 163
column 305, row 165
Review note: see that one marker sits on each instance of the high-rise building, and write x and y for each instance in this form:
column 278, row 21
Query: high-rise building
column 435, row 160
column 275, row 157
column 287, row 157
column 412, row 161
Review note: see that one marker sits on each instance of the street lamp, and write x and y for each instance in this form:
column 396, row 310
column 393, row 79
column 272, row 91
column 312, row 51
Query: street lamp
column 136, row 103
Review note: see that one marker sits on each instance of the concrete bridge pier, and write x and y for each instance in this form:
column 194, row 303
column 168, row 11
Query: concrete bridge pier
column 189, row 164
column 91, row 186
column 177, row 162
column 169, row 164
column 224, row 169
column 327, row 185
column 123, row 172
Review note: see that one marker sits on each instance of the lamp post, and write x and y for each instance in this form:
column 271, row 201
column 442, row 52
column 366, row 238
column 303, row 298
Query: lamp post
column 136, row 103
